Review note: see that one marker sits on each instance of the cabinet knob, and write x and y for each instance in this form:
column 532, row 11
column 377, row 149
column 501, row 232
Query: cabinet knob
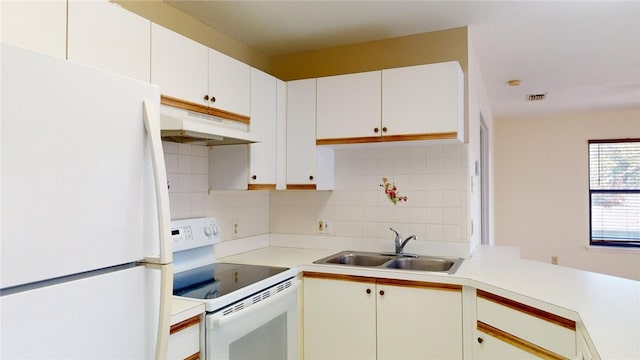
column 368, row 291
column 206, row 97
column 384, row 129
column 381, row 292
column 213, row 99
column 480, row 340
column 311, row 177
column 376, row 130
column 254, row 177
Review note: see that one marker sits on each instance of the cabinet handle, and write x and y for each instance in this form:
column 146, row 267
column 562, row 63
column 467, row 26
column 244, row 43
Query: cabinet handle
column 206, row 97
column 368, row 291
column 384, row 129
column 480, row 340
column 381, row 292
column 254, row 177
column 376, row 130
column 311, row 177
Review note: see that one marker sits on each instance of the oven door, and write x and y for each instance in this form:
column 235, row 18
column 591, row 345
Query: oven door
column 268, row 329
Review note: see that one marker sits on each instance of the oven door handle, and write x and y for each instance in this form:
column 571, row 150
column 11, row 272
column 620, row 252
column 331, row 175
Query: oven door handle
column 219, row 320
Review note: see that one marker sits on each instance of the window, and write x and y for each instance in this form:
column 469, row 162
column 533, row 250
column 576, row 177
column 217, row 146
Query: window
column 614, row 192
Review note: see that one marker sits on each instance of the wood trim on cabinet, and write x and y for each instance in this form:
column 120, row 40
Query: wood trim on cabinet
column 350, row 140
column 195, row 356
column 518, row 342
column 301, row 186
column 385, row 138
column 343, row 277
column 530, row 310
column 182, row 104
column 414, row 137
column 383, row 281
column 420, row 284
column 184, row 324
column 261, row 186
column 203, row 109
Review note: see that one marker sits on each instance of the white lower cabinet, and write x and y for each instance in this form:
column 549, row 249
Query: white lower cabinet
column 184, row 341
column 506, row 329
column 347, row 317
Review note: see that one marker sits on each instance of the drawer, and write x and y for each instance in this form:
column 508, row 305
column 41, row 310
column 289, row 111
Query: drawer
column 184, row 341
column 540, row 328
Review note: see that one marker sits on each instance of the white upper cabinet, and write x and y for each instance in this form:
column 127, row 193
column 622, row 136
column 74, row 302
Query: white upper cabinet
column 301, row 132
column 39, row 26
column 349, row 105
column 179, row 65
column 190, row 71
column 281, row 135
column 229, row 84
column 423, row 99
column 421, row 102
column 106, row 36
column 262, row 155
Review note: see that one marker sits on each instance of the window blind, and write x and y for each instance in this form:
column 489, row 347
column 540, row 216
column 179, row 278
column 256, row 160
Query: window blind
column 614, row 192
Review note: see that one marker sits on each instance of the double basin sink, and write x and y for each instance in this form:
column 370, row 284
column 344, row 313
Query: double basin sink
column 393, row 261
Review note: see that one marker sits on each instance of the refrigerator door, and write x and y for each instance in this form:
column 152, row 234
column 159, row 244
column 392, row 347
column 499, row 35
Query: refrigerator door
column 77, row 177
column 111, row 316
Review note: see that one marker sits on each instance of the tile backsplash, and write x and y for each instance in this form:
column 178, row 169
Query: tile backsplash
column 433, row 177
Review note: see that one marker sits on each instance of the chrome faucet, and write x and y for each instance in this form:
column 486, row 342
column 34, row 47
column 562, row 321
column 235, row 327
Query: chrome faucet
column 400, row 244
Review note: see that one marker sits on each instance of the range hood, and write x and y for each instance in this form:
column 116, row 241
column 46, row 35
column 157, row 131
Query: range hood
column 184, row 126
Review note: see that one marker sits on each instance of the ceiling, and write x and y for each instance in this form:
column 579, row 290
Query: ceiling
column 585, row 55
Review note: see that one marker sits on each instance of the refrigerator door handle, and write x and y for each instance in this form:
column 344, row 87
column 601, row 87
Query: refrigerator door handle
column 164, row 314
column 152, row 125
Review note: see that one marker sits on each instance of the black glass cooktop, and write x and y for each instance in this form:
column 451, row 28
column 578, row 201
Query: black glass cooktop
column 215, row 280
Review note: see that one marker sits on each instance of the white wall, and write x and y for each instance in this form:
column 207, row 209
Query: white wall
column 541, row 188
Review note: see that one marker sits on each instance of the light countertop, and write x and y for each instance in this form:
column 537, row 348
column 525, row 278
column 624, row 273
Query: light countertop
column 606, row 307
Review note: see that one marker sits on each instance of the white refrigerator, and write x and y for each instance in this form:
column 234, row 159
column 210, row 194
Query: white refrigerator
column 85, row 266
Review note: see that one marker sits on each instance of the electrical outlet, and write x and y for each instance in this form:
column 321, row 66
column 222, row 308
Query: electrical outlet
column 235, row 229
column 323, row 226
column 554, row 260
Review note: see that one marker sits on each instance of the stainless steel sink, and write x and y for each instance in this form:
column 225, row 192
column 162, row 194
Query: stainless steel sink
column 358, row 259
column 424, row 264
column 393, row 261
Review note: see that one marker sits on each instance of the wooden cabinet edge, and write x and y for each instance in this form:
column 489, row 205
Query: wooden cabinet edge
column 383, row 281
column 195, row 356
column 184, row 324
column 301, row 186
column 202, row 109
column 261, row 186
column 387, row 138
column 530, row 310
column 517, row 342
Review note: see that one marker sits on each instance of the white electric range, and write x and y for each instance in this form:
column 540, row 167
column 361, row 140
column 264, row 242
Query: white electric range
column 251, row 310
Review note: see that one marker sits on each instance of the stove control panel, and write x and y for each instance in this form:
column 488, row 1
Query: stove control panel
column 194, row 233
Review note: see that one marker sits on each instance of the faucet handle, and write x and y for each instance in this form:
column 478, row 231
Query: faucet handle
column 390, row 228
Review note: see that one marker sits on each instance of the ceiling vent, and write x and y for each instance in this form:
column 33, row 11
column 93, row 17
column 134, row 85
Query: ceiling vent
column 536, row 97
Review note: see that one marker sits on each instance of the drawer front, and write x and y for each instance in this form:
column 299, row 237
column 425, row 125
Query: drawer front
column 184, row 342
column 534, row 329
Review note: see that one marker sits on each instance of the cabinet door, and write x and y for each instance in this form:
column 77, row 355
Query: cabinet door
column 262, row 155
column 301, row 132
column 108, row 37
column 184, row 341
column 281, row 136
column 349, row 106
column 229, row 84
column 339, row 319
column 179, row 65
column 489, row 347
column 423, row 99
column 39, row 26
column 419, row 323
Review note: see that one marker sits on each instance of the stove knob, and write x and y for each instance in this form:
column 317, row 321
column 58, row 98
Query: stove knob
column 208, row 230
column 215, row 229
